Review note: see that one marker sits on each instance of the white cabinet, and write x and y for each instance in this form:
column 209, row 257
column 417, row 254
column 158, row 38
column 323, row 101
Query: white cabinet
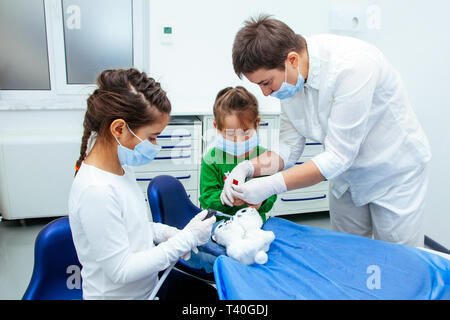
column 36, row 172
column 180, row 156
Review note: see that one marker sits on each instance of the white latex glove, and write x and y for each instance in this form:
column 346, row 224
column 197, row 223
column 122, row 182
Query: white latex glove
column 257, row 190
column 201, row 229
column 187, row 256
column 242, row 171
column 163, row 232
column 195, row 233
column 169, row 233
column 172, row 231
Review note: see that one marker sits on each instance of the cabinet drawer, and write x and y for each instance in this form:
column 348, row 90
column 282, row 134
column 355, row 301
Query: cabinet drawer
column 268, row 133
column 303, row 159
column 312, row 148
column 188, row 179
column 300, row 202
column 173, row 160
column 319, row 187
column 180, row 136
column 172, row 144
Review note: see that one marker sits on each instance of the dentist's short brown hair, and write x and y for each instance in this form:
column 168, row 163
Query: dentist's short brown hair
column 264, row 43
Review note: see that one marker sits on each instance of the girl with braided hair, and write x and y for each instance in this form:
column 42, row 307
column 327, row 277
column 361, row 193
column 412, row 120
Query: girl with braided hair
column 121, row 252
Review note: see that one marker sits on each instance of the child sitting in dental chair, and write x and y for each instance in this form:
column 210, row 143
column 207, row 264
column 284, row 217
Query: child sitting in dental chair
column 236, row 119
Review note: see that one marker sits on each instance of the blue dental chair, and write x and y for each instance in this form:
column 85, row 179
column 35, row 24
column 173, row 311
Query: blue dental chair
column 57, row 270
column 170, row 205
column 56, row 273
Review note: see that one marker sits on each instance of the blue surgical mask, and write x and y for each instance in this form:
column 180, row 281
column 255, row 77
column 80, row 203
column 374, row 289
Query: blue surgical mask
column 143, row 153
column 237, row 148
column 287, row 90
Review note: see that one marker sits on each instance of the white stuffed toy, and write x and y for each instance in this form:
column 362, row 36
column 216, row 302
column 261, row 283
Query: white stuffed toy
column 243, row 237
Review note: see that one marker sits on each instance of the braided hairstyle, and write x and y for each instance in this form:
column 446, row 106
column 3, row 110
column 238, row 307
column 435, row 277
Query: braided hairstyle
column 122, row 94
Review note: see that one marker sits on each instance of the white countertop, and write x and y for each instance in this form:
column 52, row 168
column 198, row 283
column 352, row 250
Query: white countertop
column 199, row 109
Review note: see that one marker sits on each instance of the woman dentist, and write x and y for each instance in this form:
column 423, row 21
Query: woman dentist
column 120, row 250
column 342, row 92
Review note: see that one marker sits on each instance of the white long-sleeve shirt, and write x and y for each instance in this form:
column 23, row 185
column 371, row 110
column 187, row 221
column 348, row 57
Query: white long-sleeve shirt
column 113, row 237
column 353, row 102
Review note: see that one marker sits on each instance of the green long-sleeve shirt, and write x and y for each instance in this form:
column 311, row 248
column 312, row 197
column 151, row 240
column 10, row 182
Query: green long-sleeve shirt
column 216, row 165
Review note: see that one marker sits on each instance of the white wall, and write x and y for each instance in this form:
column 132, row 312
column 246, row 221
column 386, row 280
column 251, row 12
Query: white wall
column 413, row 34
column 198, row 63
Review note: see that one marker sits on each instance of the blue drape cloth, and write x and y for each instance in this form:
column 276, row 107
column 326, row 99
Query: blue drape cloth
column 312, row 263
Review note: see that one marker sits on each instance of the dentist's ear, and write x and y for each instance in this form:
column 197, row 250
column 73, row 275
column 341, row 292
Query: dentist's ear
column 294, row 59
column 258, row 121
column 215, row 124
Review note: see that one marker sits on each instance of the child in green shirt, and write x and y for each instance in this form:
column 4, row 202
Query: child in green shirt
column 236, row 118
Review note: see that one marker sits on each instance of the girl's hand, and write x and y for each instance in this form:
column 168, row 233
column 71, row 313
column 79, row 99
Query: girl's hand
column 238, row 202
column 256, row 206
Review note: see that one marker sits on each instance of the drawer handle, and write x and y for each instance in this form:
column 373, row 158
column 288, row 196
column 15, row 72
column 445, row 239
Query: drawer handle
column 174, row 136
column 150, row 179
column 173, row 147
column 184, row 177
column 305, row 199
column 313, row 144
column 263, row 124
column 170, row 158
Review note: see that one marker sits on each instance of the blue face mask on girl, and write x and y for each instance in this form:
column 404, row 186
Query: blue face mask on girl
column 143, row 153
column 287, row 90
column 237, row 148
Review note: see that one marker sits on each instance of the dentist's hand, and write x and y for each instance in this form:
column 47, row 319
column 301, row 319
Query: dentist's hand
column 242, row 171
column 257, row 190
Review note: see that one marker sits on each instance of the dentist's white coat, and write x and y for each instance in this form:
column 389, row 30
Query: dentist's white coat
column 355, row 103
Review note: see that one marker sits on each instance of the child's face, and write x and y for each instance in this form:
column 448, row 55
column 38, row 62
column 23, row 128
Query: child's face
column 233, row 129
